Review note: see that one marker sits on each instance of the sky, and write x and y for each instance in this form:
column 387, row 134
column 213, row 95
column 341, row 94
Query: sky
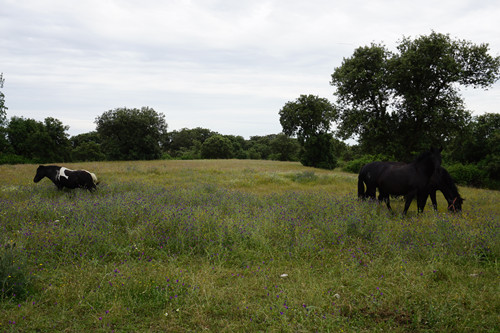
column 225, row 65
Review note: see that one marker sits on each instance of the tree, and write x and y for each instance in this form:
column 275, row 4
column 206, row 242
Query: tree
column 398, row 103
column 40, row 142
column 4, row 145
column 318, row 152
column 259, row 147
column 284, row 148
column 237, row 146
column 87, row 147
column 478, row 140
column 217, row 146
column 307, row 116
column 310, row 118
column 3, row 108
column 58, row 141
column 88, row 151
column 363, row 94
column 479, row 144
column 187, row 142
column 132, row 134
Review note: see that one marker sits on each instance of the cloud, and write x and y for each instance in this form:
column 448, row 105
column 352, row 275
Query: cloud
column 224, row 65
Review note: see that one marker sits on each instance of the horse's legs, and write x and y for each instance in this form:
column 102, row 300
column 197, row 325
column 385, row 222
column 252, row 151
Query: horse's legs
column 433, row 199
column 408, row 199
column 385, row 197
column 371, row 193
column 422, row 200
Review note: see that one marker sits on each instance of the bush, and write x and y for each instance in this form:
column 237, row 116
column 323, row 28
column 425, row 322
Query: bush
column 14, row 159
column 305, row 177
column 469, row 174
column 355, row 166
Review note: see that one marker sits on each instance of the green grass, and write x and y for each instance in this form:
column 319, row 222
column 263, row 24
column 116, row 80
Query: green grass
column 238, row 246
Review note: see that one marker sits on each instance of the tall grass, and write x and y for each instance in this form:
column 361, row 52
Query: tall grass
column 240, row 246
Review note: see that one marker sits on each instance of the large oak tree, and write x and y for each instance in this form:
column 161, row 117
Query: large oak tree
column 401, row 102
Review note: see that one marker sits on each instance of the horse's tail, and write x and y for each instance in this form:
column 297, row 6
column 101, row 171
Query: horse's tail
column 361, row 188
column 94, row 178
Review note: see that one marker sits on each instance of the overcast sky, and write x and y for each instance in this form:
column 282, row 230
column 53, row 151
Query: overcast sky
column 225, row 65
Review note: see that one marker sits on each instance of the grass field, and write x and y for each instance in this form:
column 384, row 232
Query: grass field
column 239, row 246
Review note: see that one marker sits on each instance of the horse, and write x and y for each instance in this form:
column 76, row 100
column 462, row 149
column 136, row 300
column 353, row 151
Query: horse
column 64, row 177
column 410, row 179
column 441, row 181
column 368, row 176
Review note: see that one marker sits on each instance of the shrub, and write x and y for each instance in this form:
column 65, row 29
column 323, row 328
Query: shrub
column 305, row 177
column 355, row 166
column 14, row 159
column 469, row 174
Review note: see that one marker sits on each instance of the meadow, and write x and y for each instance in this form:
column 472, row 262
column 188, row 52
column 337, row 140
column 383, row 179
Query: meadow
column 240, row 246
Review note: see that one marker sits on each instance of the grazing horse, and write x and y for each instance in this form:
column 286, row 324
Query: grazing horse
column 440, row 180
column 410, row 179
column 63, row 177
column 368, row 175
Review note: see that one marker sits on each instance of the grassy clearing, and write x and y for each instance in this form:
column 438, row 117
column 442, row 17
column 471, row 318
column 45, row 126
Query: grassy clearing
column 228, row 246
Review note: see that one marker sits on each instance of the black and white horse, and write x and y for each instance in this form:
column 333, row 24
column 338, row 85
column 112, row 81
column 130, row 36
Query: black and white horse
column 64, row 177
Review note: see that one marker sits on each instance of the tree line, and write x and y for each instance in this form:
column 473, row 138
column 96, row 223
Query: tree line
column 395, row 104
column 133, row 134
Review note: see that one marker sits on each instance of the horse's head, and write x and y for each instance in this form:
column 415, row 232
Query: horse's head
column 450, row 190
column 455, row 205
column 40, row 173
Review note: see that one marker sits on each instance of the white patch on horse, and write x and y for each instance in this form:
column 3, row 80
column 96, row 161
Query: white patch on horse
column 61, row 173
column 94, row 177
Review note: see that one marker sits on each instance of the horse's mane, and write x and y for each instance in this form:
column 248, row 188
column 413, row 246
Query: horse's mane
column 422, row 156
column 446, row 178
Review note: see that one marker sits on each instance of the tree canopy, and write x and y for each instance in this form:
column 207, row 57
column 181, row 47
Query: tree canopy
column 132, row 134
column 216, row 147
column 310, row 118
column 3, row 108
column 401, row 102
column 3, row 119
column 307, row 116
column 40, row 142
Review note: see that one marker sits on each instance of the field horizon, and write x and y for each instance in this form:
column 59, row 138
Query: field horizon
column 238, row 246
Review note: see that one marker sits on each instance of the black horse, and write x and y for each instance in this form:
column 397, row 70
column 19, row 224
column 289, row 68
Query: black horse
column 440, row 180
column 443, row 182
column 368, row 175
column 63, row 177
column 410, row 179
